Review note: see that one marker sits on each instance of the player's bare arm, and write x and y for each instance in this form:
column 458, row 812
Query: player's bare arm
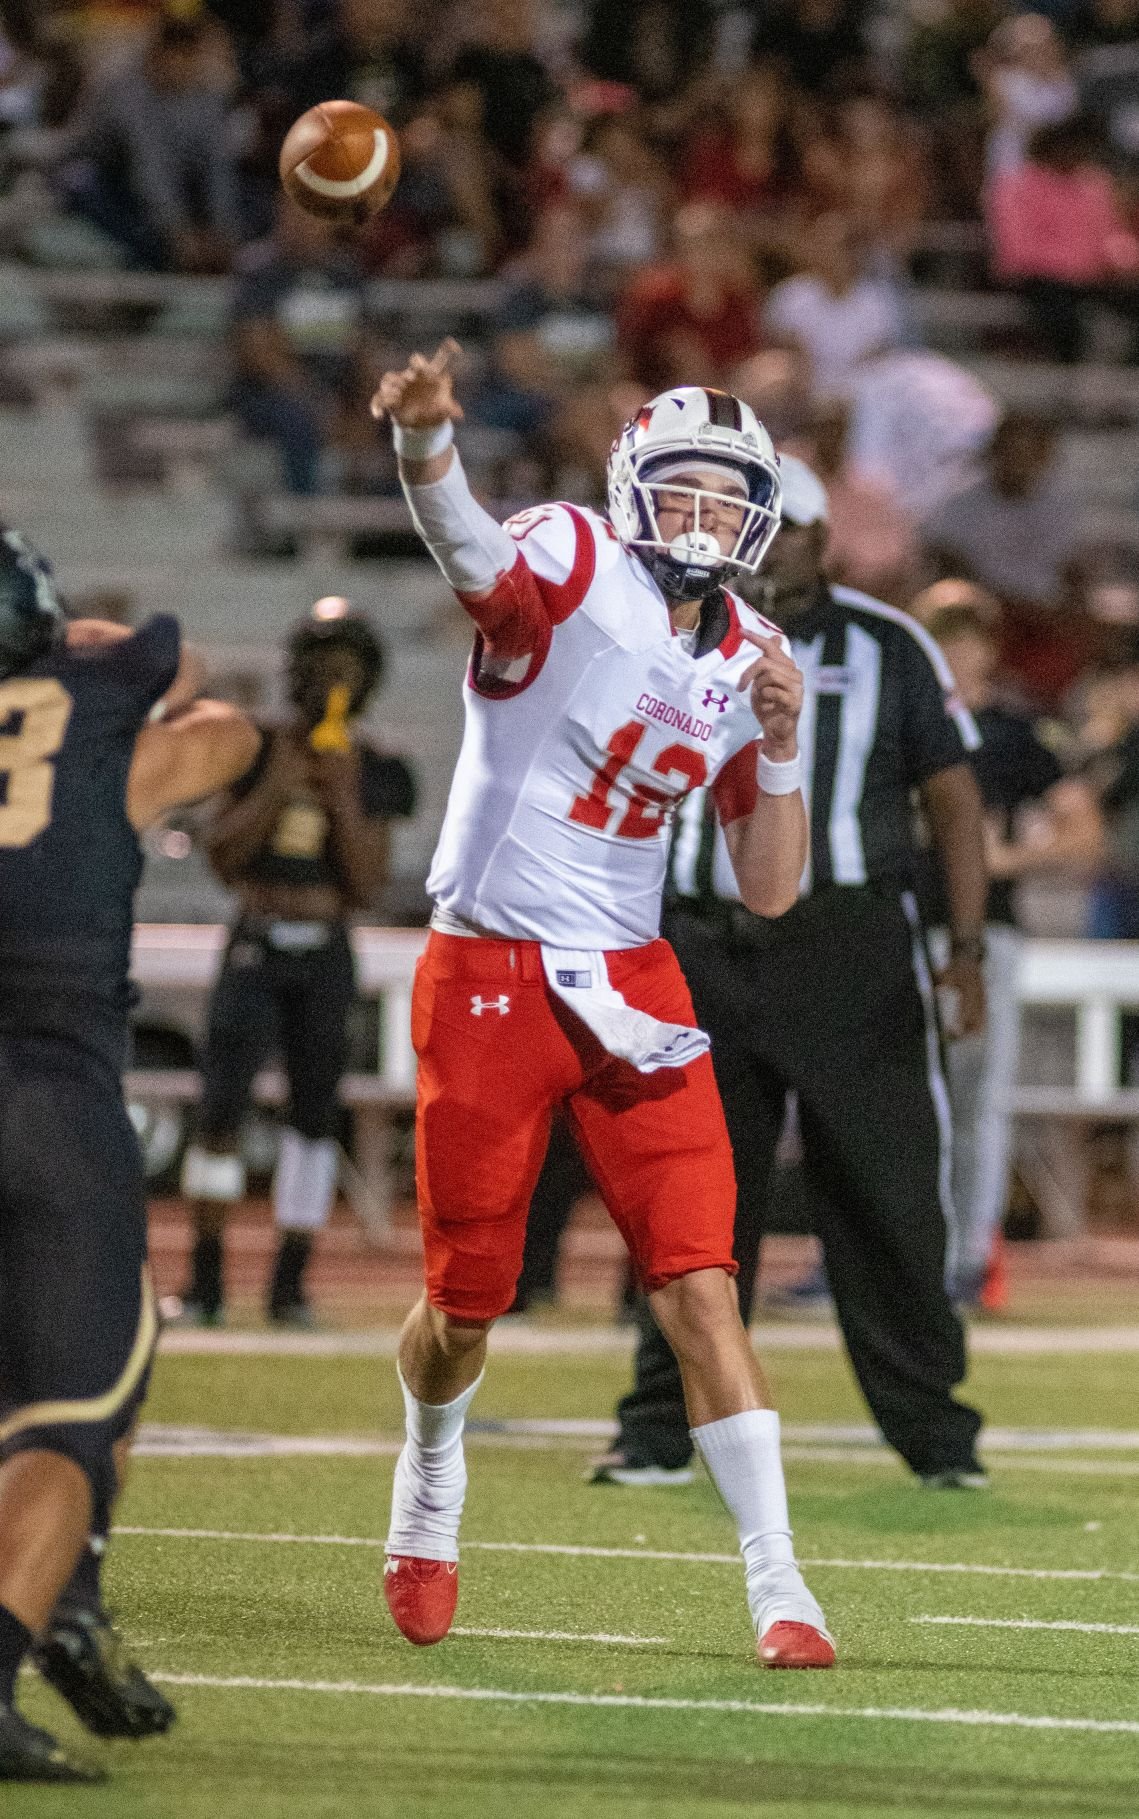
column 93, row 634
column 361, row 844
column 769, row 847
column 244, row 823
column 187, row 758
column 953, row 807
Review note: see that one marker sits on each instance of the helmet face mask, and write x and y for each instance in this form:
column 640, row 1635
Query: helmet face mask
column 664, row 455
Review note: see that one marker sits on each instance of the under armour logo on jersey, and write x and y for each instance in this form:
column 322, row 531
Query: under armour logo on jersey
column 713, row 698
column 479, row 1004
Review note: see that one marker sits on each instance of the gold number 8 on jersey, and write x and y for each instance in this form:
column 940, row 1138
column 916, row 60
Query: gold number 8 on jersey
column 34, row 712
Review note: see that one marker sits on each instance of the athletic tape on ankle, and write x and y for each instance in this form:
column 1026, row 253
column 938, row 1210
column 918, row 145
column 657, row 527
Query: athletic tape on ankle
column 436, row 1424
column 207, row 1176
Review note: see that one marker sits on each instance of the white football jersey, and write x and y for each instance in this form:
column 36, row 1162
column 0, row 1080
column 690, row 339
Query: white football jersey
column 577, row 753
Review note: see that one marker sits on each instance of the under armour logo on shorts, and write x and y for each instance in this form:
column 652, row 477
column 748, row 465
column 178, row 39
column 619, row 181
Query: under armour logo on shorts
column 715, row 698
column 479, row 1004
column 582, row 981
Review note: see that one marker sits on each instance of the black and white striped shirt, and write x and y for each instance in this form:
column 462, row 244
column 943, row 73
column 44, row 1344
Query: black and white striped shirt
column 880, row 716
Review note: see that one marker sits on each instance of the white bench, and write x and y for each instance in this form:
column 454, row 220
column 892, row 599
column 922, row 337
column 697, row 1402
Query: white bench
column 185, row 957
column 1096, row 981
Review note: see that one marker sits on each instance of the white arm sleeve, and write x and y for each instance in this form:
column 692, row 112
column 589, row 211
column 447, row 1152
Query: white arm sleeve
column 470, row 546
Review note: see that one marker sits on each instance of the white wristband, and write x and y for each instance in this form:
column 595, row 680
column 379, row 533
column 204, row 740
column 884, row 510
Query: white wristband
column 422, row 444
column 780, row 778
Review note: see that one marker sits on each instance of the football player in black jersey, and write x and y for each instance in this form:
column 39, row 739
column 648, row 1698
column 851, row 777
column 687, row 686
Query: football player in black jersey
column 84, row 765
column 304, row 841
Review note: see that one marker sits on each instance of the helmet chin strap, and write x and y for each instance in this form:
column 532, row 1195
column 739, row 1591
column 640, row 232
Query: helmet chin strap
column 680, row 580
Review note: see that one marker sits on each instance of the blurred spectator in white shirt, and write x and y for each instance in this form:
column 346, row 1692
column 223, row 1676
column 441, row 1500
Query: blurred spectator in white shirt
column 831, row 311
column 1013, row 526
column 148, row 158
column 550, row 332
column 622, row 189
column 873, row 543
column 1028, row 82
column 918, row 419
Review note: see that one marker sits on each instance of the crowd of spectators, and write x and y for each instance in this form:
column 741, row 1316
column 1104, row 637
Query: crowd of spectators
column 733, row 192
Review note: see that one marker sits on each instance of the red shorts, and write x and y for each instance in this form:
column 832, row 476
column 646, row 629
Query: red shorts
column 497, row 1052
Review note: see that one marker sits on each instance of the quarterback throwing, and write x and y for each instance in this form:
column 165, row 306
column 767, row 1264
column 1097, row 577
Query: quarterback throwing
column 612, row 672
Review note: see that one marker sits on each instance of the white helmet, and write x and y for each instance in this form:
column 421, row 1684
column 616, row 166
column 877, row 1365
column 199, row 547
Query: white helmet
column 695, row 426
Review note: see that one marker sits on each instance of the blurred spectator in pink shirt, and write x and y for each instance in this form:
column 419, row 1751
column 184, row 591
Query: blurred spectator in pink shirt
column 1056, row 230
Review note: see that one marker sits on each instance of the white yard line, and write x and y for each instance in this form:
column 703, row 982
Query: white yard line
column 820, row 1443
column 563, row 1549
column 520, row 1340
column 561, row 1636
column 220, row 1443
column 1128, row 1727
column 1055, row 1463
column 224, row 1534
column 839, row 1433
column 1034, row 1623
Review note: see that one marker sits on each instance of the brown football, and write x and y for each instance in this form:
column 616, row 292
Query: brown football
column 340, row 160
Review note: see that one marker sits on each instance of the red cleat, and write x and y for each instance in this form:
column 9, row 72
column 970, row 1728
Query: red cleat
column 795, row 1645
column 421, row 1595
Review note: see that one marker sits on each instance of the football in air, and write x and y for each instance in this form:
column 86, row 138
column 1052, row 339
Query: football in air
column 340, row 160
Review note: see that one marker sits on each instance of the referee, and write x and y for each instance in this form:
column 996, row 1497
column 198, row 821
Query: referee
column 835, row 1002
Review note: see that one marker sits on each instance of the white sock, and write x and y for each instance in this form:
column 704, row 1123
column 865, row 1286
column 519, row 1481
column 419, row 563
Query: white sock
column 430, row 1477
column 743, row 1460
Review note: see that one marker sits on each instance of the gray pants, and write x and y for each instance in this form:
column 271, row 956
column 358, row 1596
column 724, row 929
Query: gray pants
column 982, row 1072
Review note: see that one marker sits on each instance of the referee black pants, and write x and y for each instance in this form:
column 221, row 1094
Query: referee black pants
column 833, row 1002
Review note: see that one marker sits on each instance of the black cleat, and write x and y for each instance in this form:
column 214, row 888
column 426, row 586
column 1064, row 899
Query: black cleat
column 29, row 1754
column 628, row 1469
column 970, row 1477
column 83, row 1656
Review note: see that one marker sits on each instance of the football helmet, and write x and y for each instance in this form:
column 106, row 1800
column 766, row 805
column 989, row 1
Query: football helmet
column 32, row 618
column 694, row 426
column 334, row 625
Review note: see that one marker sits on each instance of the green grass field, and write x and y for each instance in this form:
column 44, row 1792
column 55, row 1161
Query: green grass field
column 299, row 1698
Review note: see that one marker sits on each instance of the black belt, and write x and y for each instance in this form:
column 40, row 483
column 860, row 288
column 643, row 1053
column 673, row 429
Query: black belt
column 733, row 923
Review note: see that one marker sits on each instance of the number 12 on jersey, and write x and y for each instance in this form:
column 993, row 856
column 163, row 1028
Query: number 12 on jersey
column 642, row 809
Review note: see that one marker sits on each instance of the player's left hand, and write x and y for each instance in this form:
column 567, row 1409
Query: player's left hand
column 962, row 983
column 776, row 685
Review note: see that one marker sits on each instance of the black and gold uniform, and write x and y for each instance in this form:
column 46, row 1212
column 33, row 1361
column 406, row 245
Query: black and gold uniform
column 302, row 841
column 77, row 1321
